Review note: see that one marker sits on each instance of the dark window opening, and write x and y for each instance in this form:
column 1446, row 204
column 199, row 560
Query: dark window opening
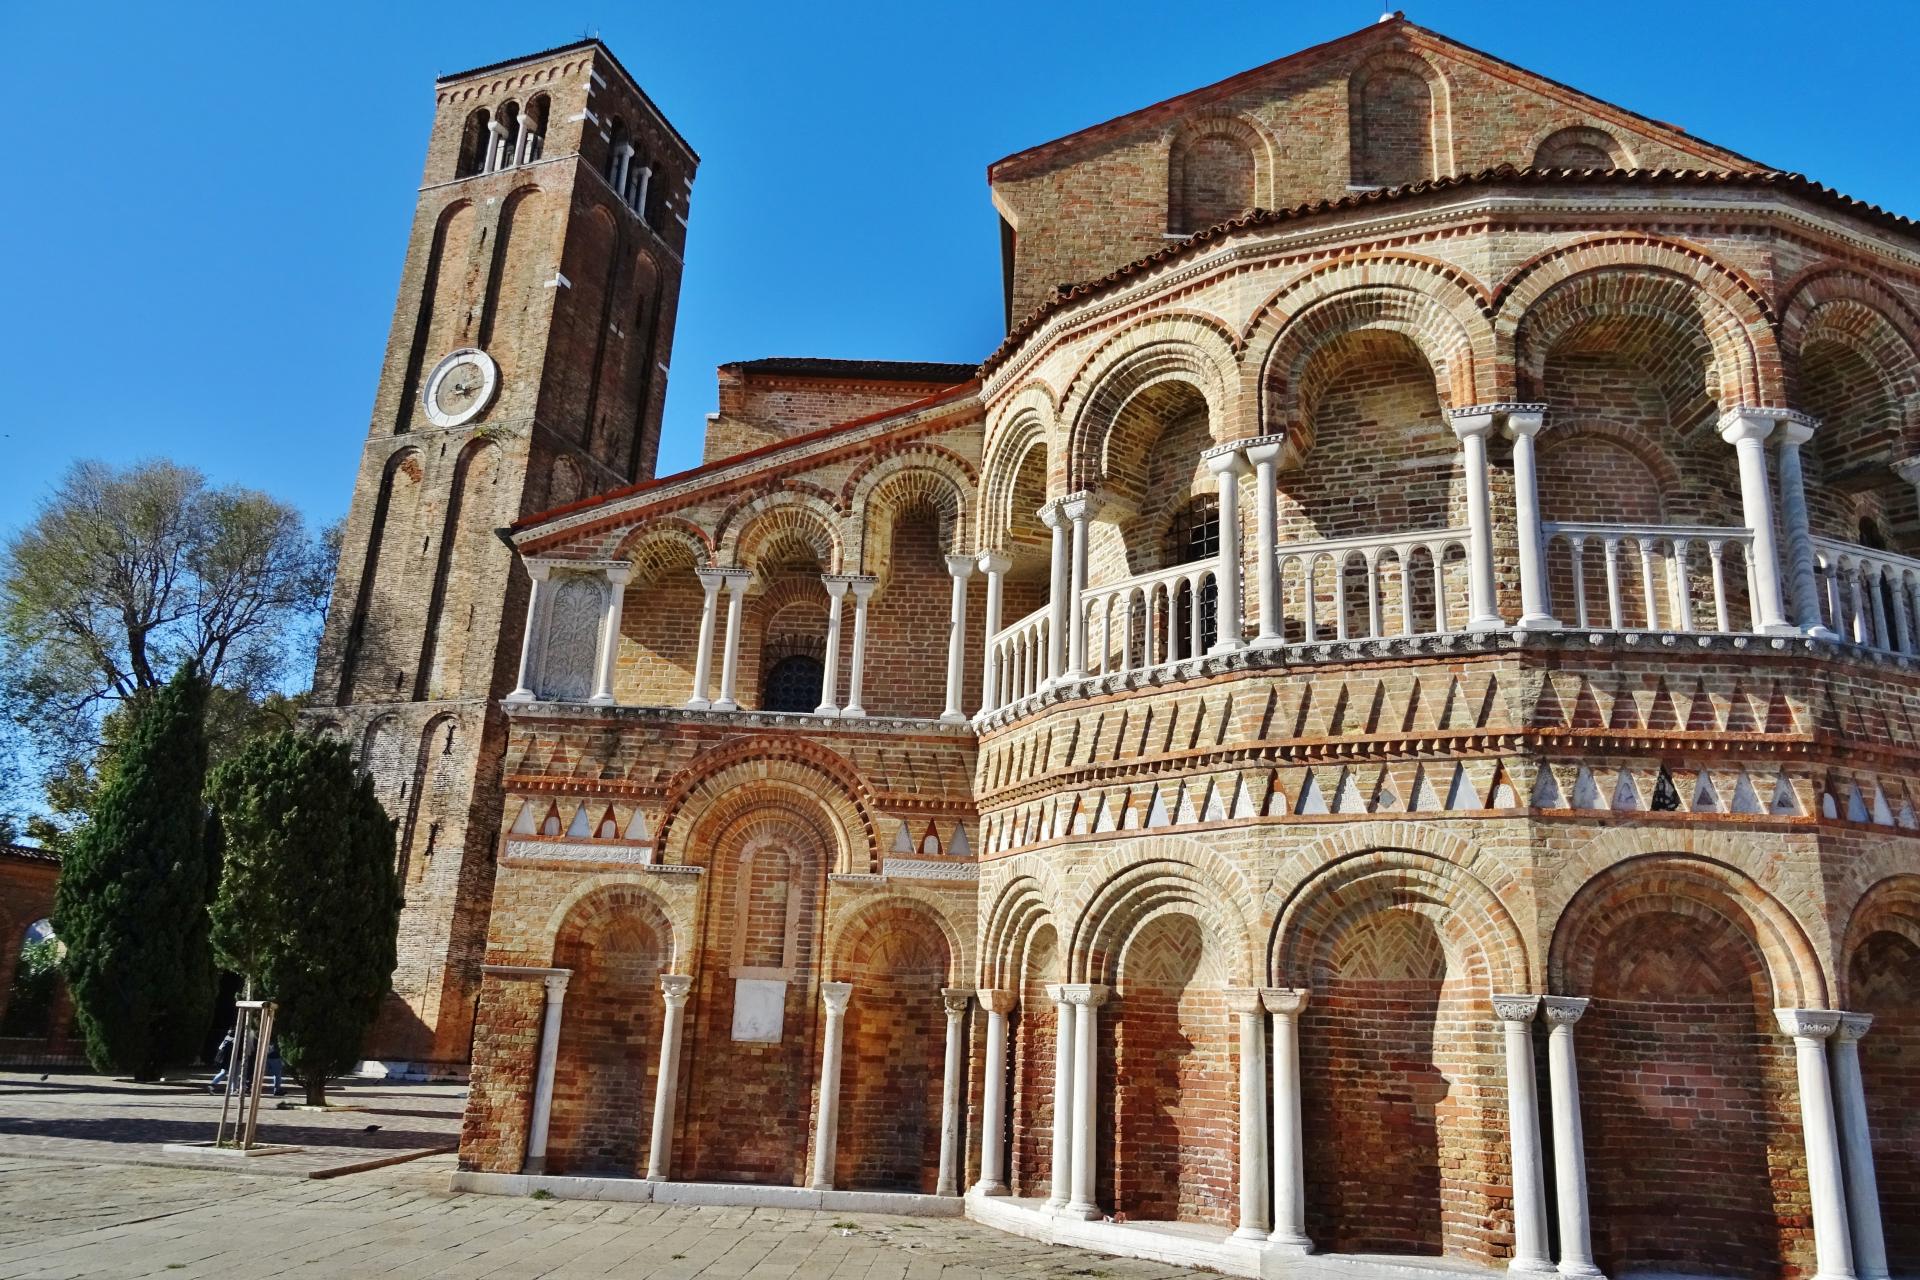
column 1195, row 536
column 793, row 684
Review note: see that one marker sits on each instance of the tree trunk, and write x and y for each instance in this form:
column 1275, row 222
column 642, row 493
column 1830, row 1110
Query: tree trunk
column 317, row 1091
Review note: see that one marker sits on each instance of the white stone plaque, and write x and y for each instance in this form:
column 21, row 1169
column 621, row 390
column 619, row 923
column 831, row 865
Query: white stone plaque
column 759, row 1009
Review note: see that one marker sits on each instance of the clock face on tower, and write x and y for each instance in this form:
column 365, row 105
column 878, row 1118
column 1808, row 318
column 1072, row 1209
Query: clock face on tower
column 461, row 385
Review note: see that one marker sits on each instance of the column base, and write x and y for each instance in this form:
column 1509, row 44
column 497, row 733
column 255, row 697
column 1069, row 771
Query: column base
column 826, row 709
column 819, row 1186
column 1584, row 1270
column 1486, row 624
column 534, row 1165
column 599, row 700
column 1085, row 1212
column 1540, row 622
column 697, row 704
column 984, row 1188
column 520, row 695
column 1289, row 1243
column 1268, row 642
column 1054, row 1204
column 853, row 711
column 724, row 704
column 1532, row 1267
column 953, row 717
column 1781, row 629
column 1823, row 633
column 1225, row 647
column 1248, row 1233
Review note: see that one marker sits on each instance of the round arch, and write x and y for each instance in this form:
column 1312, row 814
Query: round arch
column 1185, row 880
column 740, row 775
column 787, row 517
column 1182, row 347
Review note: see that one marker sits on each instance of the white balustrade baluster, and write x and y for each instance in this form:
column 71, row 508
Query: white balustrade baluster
column 1678, row 588
column 1851, row 567
column 1310, row 626
column 1902, row 627
column 1613, row 583
column 1370, row 559
column 1648, row 591
column 1579, row 545
column 1438, row 550
column 1877, row 593
column 1717, row 551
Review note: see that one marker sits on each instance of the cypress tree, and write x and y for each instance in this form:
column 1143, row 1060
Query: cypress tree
column 309, row 904
column 131, row 907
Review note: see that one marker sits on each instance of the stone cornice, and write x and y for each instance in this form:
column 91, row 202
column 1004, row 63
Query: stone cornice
column 788, row 721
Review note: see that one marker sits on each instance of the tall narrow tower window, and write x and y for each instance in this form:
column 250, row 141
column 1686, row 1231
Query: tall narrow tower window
column 506, row 132
column 475, row 141
column 533, row 130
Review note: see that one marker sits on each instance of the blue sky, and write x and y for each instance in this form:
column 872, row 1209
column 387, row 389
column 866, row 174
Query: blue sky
column 206, row 207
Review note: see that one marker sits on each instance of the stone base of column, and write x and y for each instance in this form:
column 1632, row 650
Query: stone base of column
column 819, row 1186
column 1248, row 1233
column 1584, row 1270
column 1084, row 1212
column 953, row 717
column 1521, row 1267
column 725, row 704
column 1054, row 1204
column 826, row 709
column 1292, row 1246
column 1486, row 624
column 1540, row 622
column 1823, row 633
column 1267, row 642
column 1781, row 629
column 1224, row 647
column 598, row 701
column 526, row 695
column 697, row 704
column 854, row 711
column 534, row 1165
column 990, row 1189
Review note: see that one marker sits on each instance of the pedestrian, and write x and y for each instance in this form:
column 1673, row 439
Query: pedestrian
column 222, row 1058
column 275, row 1066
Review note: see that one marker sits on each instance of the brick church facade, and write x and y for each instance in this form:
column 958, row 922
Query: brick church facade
column 1379, row 720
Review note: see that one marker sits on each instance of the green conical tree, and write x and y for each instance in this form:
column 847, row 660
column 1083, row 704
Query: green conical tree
column 134, row 886
column 309, row 906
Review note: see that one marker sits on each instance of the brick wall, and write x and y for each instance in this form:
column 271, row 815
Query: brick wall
column 493, row 1133
column 1883, row 979
column 609, row 1056
column 894, row 1053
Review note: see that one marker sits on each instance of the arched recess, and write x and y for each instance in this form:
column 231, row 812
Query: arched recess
column 617, row 941
column 436, row 816
column 1020, row 953
column 443, row 288
column 788, row 764
column 386, row 757
column 1852, row 364
column 1688, row 1093
column 1581, row 147
column 373, row 663
column 1675, row 287
column 778, row 527
column 514, row 279
column 658, row 647
column 638, row 369
column 1400, row 1054
column 580, row 325
column 887, row 492
column 898, row 953
column 1013, row 483
column 1881, row 969
column 469, row 553
column 1219, row 166
column 1165, row 934
column 1182, row 348
column 1398, row 121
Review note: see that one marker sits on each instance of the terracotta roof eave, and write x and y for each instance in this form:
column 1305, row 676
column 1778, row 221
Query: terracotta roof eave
column 940, row 373
column 1797, row 183
column 28, row 853
column 526, row 523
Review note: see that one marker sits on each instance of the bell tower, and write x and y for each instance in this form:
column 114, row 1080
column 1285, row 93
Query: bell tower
column 526, row 368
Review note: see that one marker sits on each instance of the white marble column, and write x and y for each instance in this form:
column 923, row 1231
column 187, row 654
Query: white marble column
column 1516, row 1015
column 961, row 569
column 1473, row 425
column 1249, row 1009
column 1792, row 431
column 710, row 580
column 1832, row 1243
column 1059, row 591
column 554, row 990
column 541, row 573
column 836, row 585
column 993, row 1095
column 1264, row 454
column 1747, row 431
column 1078, row 509
column 1289, row 1236
column 1856, row 1147
column 953, row 1085
column 674, row 989
column 826, row 1127
column 1062, row 1190
column 1523, row 423
column 737, row 580
column 617, row 578
column 1569, row 1137
column 995, row 565
column 1086, row 999
column 1228, row 463
column 862, row 588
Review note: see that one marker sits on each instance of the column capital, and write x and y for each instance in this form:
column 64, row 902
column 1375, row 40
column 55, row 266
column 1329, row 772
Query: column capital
column 1473, row 420
column 996, row 1001
column 1796, row 429
column 1853, row 1026
column 1515, row 1008
column 835, row 994
column 955, row 999
column 675, row 988
column 712, row 577
column 619, row 574
column 1227, row 459
column 1908, row 469
column 1244, row 1000
column 1564, row 1011
column 1743, row 423
column 556, row 982
column 994, row 562
column 1085, row 994
column 1808, row 1024
column 539, row 570
column 1276, row 449
column 737, row 580
column 1050, row 513
column 960, row 566
column 836, row 584
column 1524, row 419
column 862, row 585
column 1079, row 506
column 1286, row 1001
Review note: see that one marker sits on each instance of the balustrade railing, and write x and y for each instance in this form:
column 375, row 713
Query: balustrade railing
column 1020, row 657
column 1870, row 598
column 1374, row 585
column 1153, row 618
column 1616, row 577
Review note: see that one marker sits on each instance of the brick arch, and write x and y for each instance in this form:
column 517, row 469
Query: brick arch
column 1574, row 439
column 1186, row 879
column 875, row 470
column 1652, row 272
column 593, row 905
column 1004, row 460
column 782, row 765
column 1842, row 308
column 389, row 538
column 1691, row 886
column 1217, row 125
column 1434, row 305
column 1178, row 347
column 855, row 927
column 1019, row 911
column 1891, row 905
column 1478, row 931
column 664, row 543
column 1363, row 166
column 1559, row 146
column 781, row 521
column 908, row 485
